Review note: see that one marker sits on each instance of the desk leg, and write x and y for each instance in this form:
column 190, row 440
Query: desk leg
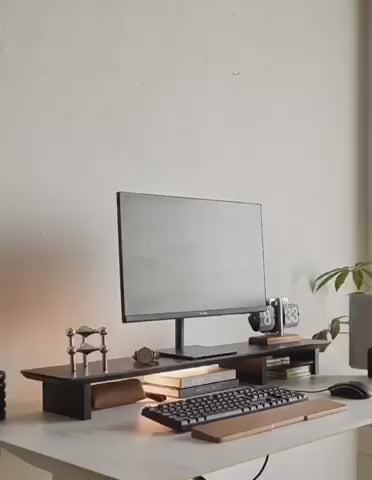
column 71, row 400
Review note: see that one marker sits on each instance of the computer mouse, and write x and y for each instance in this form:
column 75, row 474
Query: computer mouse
column 353, row 390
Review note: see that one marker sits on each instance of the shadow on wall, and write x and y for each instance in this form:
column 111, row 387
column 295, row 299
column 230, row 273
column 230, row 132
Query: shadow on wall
column 43, row 288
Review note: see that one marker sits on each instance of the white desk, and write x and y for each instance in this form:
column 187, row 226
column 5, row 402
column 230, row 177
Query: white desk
column 122, row 445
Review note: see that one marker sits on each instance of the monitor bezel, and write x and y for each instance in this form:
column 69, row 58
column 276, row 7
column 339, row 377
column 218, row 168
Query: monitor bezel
column 187, row 314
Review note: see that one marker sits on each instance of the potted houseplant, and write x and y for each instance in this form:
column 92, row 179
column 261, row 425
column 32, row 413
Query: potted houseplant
column 360, row 275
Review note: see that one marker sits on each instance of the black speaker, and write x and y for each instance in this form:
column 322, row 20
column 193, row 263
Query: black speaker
column 263, row 321
column 2, row 395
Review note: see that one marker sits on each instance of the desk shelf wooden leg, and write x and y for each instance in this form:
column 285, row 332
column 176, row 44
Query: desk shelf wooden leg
column 74, row 400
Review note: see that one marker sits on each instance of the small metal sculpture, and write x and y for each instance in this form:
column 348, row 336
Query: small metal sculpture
column 85, row 348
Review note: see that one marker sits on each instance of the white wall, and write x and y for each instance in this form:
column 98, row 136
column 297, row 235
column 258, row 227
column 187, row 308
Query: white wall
column 369, row 133
column 253, row 100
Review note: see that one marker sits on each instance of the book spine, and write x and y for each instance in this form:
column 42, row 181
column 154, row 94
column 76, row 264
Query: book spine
column 207, row 378
column 305, row 368
column 288, row 375
column 208, row 388
column 300, row 374
column 270, row 362
column 162, row 381
column 158, row 389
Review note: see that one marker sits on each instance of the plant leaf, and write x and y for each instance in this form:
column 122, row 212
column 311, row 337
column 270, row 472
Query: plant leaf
column 362, row 264
column 340, row 318
column 335, row 328
column 367, row 272
column 358, row 278
column 340, row 279
column 322, row 335
column 326, row 280
column 327, row 273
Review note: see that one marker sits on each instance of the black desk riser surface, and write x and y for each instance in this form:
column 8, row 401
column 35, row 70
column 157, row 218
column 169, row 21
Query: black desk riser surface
column 69, row 394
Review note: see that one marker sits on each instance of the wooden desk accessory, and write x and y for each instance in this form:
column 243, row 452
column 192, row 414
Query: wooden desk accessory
column 279, row 314
column 114, row 394
column 245, row 426
column 70, row 393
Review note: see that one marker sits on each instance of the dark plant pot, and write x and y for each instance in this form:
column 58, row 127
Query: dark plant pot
column 360, row 328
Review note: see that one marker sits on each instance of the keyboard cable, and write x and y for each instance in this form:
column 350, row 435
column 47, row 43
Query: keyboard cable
column 254, row 478
column 327, row 389
column 262, row 468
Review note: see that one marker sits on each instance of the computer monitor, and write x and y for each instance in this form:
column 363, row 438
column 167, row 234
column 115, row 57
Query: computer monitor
column 186, row 257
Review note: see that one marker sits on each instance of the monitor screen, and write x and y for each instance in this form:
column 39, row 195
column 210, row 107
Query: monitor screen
column 184, row 257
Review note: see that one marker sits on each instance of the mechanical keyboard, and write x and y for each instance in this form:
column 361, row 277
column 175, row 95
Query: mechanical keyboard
column 183, row 415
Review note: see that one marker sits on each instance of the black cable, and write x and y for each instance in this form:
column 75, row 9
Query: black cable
column 329, row 389
column 312, row 391
column 262, row 468
column 255, row 478
column 264, row 465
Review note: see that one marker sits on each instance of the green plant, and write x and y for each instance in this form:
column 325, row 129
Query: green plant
column 360, row 274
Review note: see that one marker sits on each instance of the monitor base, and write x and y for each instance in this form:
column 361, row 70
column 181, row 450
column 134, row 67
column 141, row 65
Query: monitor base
column 195, row 352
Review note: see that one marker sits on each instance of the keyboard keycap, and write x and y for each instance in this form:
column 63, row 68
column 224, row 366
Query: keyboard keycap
column 183, row 414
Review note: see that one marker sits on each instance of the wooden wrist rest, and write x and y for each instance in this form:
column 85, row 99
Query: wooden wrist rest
column 251, row 424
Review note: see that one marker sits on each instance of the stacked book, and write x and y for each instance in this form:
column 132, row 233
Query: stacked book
column 277, row 361
column 287, row 370
column 191, row 381
column 2, row 395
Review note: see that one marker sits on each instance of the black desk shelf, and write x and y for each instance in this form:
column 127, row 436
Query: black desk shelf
column 69, row 394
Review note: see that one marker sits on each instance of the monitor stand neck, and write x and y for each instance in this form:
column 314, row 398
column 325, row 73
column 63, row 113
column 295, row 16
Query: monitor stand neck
column 179, row 333
column 192, row 352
